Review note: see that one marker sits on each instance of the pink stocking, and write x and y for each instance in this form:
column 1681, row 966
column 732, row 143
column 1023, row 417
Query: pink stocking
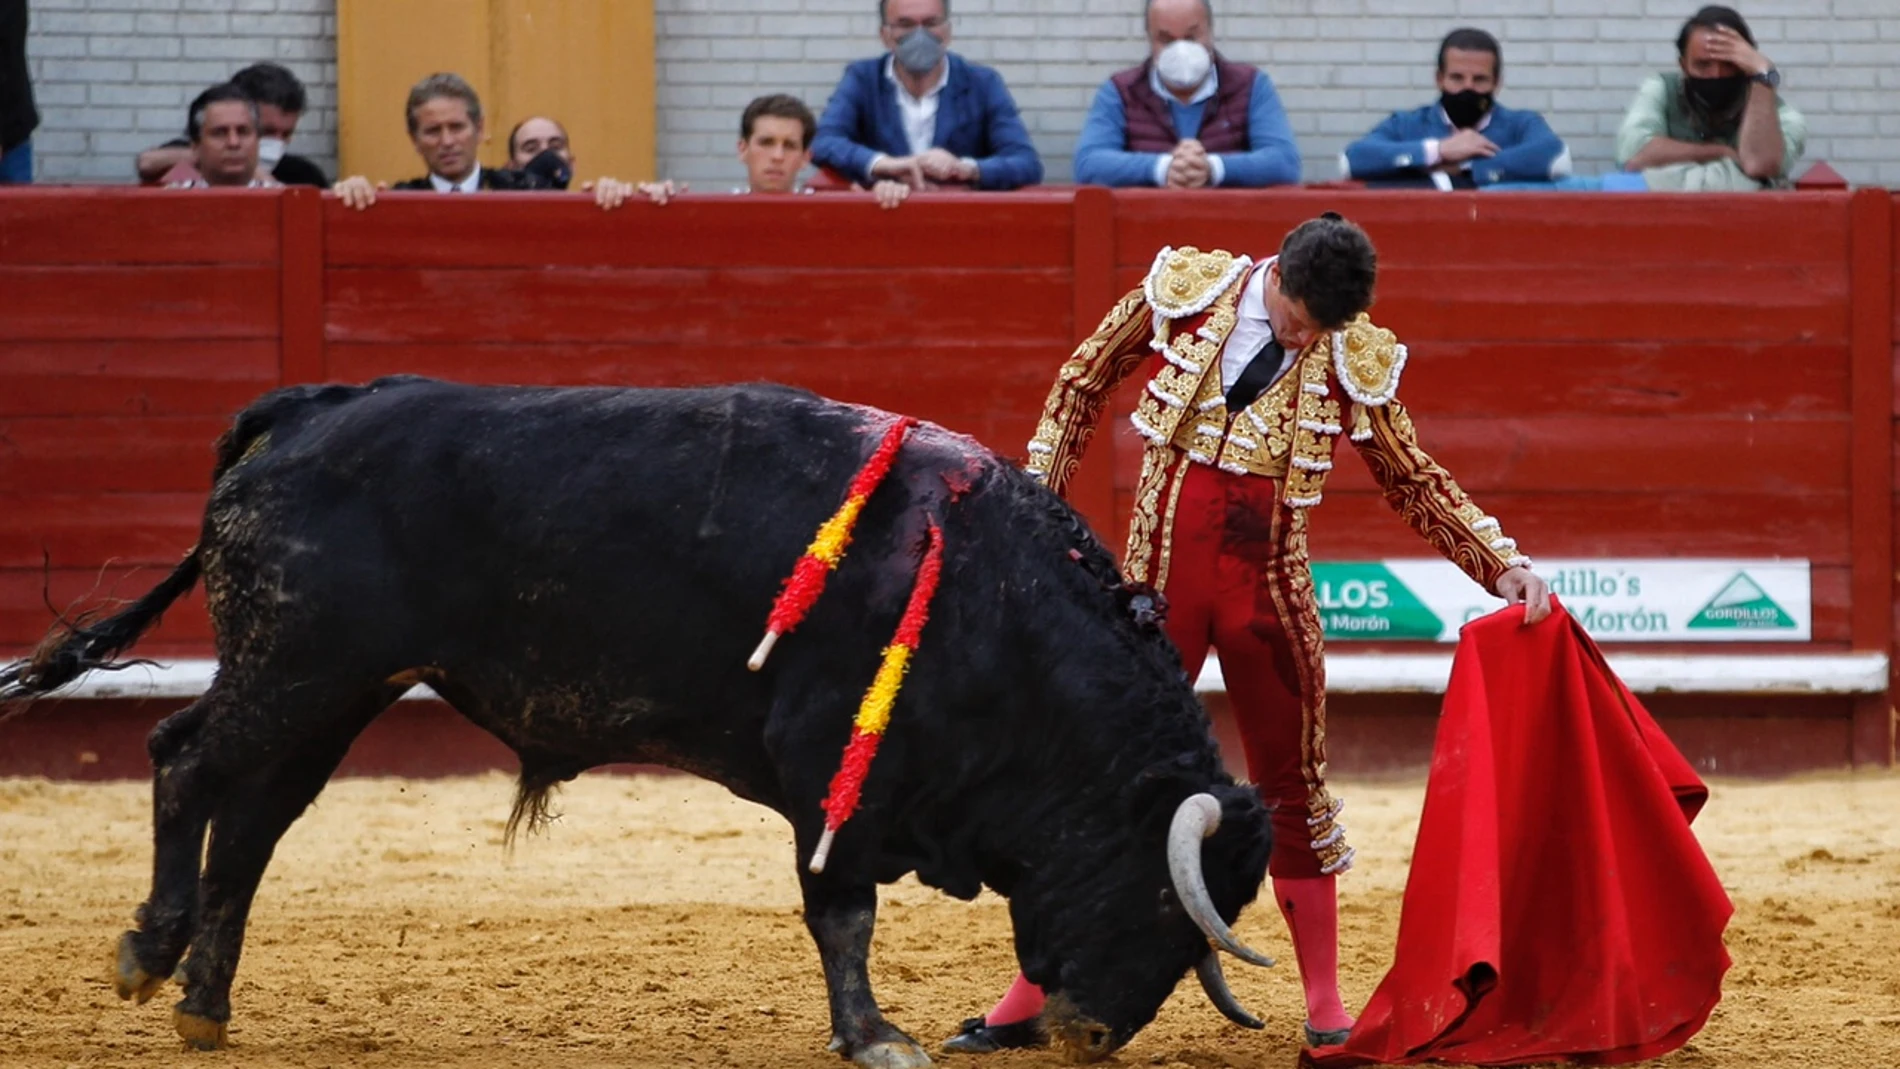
column 1311, row 908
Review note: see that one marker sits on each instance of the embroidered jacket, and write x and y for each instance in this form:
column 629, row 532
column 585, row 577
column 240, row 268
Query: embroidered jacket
column 1344, row 384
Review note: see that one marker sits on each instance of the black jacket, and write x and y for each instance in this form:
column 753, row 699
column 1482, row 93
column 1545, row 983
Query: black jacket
column 18, row 116
column 495, row 179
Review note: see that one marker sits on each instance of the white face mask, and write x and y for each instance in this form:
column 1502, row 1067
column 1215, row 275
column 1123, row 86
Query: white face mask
column 1184, row 64
column 270, row 150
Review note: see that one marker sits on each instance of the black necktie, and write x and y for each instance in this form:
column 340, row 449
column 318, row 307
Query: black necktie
column 1257, row 375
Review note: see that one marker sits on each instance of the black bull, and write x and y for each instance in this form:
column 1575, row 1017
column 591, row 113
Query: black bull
column 582, row 573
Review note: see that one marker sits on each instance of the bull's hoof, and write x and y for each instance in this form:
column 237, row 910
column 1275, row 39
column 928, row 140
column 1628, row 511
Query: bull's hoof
column 200, row 1033
column 129, row 978
column 891, row 1054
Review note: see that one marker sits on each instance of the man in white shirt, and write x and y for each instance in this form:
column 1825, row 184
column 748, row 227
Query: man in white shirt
column 923, row 115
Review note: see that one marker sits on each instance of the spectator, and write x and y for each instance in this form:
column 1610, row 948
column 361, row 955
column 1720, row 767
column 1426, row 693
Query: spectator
column 444, row 116
column 280, row 101
column 1717, row 123
column 1465, row 139
column 775, row 135
column 222, row 125
column 539, row 146
column 923, row 115
column 18, row 117
column 1186, row 117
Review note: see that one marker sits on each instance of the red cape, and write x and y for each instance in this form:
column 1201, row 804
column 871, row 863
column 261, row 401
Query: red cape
column 1558, row 907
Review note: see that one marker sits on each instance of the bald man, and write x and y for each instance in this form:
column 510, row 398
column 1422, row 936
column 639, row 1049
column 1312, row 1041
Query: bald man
column 1186, row 117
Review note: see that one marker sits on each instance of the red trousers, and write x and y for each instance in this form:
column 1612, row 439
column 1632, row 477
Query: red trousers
column 1228, row 577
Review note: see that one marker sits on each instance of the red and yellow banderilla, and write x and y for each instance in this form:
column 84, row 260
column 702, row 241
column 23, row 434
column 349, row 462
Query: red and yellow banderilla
column 807, row 580
column 874, row 713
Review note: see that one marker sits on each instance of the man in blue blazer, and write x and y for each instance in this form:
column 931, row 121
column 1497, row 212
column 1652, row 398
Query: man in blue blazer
column 920, row 115
column 1464, row 140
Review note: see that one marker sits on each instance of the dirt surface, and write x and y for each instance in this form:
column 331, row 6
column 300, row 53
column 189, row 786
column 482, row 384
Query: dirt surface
column 656, row 924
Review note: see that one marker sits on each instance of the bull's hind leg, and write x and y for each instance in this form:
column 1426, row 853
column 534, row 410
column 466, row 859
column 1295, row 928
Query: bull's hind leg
column 184, row 792
column 245, row 829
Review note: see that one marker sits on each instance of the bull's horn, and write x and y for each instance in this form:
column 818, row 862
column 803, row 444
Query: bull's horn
column 1214, row 982
column 1194, row 820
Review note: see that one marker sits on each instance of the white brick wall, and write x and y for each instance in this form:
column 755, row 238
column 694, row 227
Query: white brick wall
column 115, row 75
column 1340, row 66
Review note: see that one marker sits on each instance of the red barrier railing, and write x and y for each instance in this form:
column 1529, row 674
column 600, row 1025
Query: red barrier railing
column 1626, row 375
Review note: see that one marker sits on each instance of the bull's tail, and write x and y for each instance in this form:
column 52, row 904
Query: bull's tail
column 86, row 642
column 80, row 645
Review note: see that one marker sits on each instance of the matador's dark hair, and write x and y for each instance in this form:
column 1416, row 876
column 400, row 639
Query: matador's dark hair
column 1328, row 265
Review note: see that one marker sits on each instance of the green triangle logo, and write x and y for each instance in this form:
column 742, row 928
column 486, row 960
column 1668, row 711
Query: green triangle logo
column 1366, row 601
column 1742, row 604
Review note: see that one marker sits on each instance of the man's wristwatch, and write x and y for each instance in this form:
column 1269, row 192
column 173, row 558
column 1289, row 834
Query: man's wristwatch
column 1770, row 78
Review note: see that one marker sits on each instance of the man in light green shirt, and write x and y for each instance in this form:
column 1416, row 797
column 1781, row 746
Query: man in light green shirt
column 1719, row 123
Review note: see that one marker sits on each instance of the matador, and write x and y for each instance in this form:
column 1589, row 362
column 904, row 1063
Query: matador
column 1256, row 371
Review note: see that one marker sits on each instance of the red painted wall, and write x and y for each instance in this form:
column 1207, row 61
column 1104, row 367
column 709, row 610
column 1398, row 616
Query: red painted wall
column 1612, row 375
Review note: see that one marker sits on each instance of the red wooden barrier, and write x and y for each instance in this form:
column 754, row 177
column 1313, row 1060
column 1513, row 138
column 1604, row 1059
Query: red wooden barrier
column 1630, row 375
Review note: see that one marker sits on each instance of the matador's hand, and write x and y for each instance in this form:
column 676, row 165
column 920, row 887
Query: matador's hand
column 1521, row 586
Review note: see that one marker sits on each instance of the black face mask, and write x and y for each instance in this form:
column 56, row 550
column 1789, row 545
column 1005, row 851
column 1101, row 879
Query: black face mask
column 1716, row 96
column 550, row 168
column 1465, row 108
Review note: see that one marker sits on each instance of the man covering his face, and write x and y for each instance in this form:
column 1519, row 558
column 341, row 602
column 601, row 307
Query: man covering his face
column 1717, row 122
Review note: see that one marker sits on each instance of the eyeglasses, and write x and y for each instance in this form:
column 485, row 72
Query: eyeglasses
column 935, row 22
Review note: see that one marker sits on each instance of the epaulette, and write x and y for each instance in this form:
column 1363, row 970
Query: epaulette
column 1185, row 281
column 1369, row 360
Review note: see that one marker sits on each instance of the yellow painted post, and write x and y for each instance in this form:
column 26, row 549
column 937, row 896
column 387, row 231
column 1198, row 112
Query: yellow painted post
column 586, row 63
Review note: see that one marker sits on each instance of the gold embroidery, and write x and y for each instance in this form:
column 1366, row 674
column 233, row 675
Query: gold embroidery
column 1161, row 422
column 1369, row 360
column 1431, row 501
column 1141, row 522
column 1081, row 391
column 1313, row 433
column 1184, row 281
column 1289, row 579
column 1178, row 477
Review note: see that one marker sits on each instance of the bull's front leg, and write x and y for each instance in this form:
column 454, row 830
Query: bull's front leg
column 841, row 915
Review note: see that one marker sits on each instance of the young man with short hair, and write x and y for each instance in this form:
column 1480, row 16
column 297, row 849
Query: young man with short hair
column 1256, row 372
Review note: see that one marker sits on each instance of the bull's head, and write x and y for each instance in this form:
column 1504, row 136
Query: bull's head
column 1110, row 960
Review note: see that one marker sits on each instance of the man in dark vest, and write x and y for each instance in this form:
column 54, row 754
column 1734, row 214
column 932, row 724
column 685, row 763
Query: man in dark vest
column 1186, row 118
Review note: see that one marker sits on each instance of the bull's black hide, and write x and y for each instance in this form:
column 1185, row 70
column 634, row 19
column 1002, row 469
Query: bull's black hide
column 582, row 572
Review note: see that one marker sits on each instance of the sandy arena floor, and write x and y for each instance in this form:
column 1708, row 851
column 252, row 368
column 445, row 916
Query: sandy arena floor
column 656, row 924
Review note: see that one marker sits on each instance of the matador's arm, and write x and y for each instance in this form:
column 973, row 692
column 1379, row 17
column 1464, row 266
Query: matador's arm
column 1426, row 496
column 1083, row 387
column 1367, row 361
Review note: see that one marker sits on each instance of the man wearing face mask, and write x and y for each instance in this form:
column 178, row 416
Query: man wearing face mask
column 1718, row 123
column 1464, row 140
column 1257, row 375
column 280, row 100
column 923, row 115
column 539, row 146
column 1186, row 118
